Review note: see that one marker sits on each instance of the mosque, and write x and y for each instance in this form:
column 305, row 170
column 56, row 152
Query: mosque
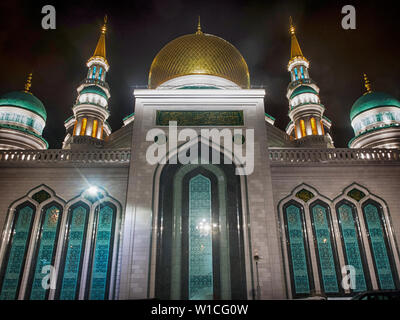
column 95, row 220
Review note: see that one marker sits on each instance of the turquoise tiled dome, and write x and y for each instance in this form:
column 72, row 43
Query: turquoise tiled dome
column 372, row 100
column 24, row 100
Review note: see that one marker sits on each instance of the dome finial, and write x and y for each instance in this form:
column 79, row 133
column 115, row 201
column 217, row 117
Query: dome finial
column 104, row 27
column 199, row 27
column 28, row 83
column 367, row 84
column 292, row 29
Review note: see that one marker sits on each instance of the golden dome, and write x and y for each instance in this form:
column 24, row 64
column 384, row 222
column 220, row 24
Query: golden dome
column 199, row 54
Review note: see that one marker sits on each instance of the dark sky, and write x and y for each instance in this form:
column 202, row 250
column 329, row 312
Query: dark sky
column 138, row 29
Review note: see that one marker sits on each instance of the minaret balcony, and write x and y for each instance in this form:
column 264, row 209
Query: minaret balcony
column 97, row 82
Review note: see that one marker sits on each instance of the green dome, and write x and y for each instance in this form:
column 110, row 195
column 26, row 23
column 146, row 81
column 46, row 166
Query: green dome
column 302, row 89
column 372, row 100
column 24, row 100
column 94, row 89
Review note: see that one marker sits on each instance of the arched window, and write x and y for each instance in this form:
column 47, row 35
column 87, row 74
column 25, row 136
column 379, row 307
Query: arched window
column 100, row 73
column 352, row 244
column 381, row 252
column 44, row 253
column 15, row 256
column 94, row 72
column 325, row 248
column 74, row 248
column 302, row 72
column 99, row 271
column 200, row 239
column 298, row 252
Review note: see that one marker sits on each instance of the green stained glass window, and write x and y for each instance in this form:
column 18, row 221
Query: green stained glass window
column 41, row 196
column 378, row 241
column 356, row 194
column 325, row 248
column 354, row 253
column 74, row 250
column 14, row 262
column 45, row 251
column 200, row 239
column 305, row 195
column 100, row 268
column 297, row 248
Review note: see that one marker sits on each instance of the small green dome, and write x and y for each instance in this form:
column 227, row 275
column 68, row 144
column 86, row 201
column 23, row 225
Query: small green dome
column 302, row 89
column 372, row 100
column 24, row 100
column 94, row 89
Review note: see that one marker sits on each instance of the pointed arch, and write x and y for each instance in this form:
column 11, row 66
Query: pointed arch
column 298, row 252
column 70, row 265
column 16, row 249
column 353, row 243
column 325, row 248
column 241, row 199
column 44, row 250
column 382, row 253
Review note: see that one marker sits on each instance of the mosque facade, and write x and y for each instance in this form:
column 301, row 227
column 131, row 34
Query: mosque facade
column 198, row 195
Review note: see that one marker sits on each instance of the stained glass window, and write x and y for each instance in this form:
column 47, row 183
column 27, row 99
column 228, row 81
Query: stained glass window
column 41, row 196
column 45, row 251
column 100, row 268
column 305, row 195
column 325, row 247
column 354, row 253
column 14, row 261
column 200, row 239
column 298, row 250
column 302, row 72
column 380, row 251
column 73, row 253
column 94, row 72
column 296, row 74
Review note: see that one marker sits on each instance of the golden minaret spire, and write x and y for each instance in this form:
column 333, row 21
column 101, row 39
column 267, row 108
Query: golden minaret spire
column 199, row 27
column 295, row 48
column 367, row 84
column 28, row 84
column 100, row 51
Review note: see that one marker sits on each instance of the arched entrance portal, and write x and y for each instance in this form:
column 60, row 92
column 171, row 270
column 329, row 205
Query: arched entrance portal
column 200, row 251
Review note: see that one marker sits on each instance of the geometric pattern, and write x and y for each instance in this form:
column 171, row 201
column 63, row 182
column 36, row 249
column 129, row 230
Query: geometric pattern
column 101, row 257
column 299, row 261
column 200, row 239
column 323, row 238
column 17, row 250
column 74, row 253
column 47, row 244
column 379, row 248
column 350, row 232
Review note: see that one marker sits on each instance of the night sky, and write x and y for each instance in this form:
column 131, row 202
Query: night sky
column 138, row 29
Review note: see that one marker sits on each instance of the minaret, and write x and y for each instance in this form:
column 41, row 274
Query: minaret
column 88, row 126
column 308, row 126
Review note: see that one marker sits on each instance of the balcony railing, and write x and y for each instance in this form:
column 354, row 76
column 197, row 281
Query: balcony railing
column 333, row 156
column 65, row 157
column 121, row 157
